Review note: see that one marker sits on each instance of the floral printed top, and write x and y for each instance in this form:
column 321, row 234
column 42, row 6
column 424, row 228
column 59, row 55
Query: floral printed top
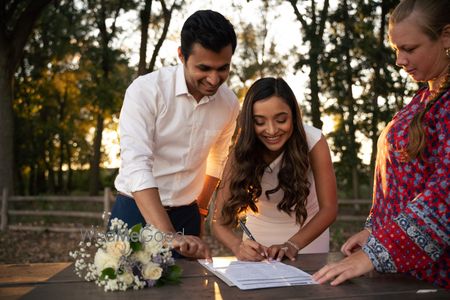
column 409, row 218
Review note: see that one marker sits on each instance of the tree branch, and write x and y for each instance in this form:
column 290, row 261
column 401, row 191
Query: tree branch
column 298, row 14
column 16, row 41
column 323, row 17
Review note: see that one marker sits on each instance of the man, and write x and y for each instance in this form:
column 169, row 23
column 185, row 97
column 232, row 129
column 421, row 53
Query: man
column 175, row 129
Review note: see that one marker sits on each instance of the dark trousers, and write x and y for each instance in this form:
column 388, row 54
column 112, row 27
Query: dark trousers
column 185, row 219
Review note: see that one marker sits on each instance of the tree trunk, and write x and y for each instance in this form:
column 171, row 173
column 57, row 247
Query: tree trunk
column 61, row 185
column 15, row 28
column 352, row 151
column 41, row 180
column 145, row 21
column 167, row 17
column 49, row 163
column 69, row 168
column 313, row 33
column 315, row 101
column 377, row 88
column 94, row 183
column 6, row 125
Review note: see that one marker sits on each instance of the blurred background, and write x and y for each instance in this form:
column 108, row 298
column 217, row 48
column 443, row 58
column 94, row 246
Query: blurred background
column 65, row 66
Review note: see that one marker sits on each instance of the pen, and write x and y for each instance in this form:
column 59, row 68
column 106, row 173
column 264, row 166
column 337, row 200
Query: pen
column 250, row 236
column 245, row 229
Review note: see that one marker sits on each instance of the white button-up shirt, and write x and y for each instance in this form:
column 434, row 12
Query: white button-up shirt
column 170, row 141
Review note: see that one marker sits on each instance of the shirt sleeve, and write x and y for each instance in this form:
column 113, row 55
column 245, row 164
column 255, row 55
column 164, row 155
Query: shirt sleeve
column 219, row 151
column 420, row 234
column 137, row 126
column 313, row 135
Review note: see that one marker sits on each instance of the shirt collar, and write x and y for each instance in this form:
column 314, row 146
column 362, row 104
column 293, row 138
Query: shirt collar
column 181, row 87
column 275, row 163
column 180, row 82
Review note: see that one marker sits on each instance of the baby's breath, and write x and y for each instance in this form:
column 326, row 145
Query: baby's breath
column 118, row 264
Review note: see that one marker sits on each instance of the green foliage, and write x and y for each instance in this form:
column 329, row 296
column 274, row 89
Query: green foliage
column 170, row 276
column 108, row 272
column 136, row 245
column 256, row 54
column 73, row 73
column 60, row 90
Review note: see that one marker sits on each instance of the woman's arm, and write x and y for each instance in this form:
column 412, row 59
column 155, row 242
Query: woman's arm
column 325, row 182
column 244, row 250
column 418, row 236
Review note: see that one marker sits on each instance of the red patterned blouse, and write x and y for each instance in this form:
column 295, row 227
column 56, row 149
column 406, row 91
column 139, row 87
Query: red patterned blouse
column 409, row 218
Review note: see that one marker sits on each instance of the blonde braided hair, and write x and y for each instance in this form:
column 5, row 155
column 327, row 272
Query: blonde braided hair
column 416, row 131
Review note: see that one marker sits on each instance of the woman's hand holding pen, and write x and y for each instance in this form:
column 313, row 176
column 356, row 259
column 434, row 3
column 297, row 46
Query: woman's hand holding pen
column 279, row 251
column 249, row 250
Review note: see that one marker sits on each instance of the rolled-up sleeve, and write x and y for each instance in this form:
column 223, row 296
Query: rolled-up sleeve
column 137, row 128
column 219, row 151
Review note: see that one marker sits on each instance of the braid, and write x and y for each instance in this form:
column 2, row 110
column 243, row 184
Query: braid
column 416, row 130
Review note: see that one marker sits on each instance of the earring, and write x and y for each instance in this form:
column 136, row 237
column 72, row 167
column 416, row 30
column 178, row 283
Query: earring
column 447, row 52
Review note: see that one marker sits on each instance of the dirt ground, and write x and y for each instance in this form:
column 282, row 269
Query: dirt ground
column 32, row 247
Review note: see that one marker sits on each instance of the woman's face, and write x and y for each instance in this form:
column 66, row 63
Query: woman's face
column 272, row 120
column 422, row 58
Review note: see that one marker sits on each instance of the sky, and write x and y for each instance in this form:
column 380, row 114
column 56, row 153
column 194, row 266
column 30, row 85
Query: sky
column 284, row 30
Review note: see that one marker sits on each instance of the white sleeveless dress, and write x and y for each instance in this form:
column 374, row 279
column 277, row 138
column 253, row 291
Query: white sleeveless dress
column 270, row 226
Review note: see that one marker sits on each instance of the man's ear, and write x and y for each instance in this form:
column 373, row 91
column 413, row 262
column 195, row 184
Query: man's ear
column 445, row 35
column 180, row 55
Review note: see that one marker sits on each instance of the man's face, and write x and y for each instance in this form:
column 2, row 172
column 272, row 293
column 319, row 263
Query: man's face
column 205, row 70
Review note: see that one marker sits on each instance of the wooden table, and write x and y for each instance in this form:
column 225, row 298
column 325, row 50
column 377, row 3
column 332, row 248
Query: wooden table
column 35, row 281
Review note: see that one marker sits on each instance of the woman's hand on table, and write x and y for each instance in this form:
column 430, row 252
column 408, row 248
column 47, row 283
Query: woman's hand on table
column 279, row 251
column 355, row 242
column 352, row 266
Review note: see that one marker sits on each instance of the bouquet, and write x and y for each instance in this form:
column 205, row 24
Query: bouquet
column 127, row 258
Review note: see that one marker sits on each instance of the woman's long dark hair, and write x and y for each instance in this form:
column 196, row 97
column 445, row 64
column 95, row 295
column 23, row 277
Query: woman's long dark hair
column 248, row 165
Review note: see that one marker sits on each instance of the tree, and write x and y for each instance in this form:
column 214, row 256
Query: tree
column 47, row 102
column 313, row 32
column 17, row 22
column 385, row 80
column 166, row 15
column 256, row 55
column 100, row 11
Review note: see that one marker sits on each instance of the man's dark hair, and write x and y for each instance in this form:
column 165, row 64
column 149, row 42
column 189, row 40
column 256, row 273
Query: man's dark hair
column 208, row 28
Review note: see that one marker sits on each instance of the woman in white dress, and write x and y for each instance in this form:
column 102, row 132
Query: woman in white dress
column 279, row 174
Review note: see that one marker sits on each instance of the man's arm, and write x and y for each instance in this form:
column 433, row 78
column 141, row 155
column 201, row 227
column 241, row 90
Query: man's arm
column 204, row 197
column 149, row 203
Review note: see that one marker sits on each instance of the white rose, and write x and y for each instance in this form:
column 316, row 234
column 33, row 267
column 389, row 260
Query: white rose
column 152, row 239
column 118, row 248
column 152, row 247
column 142, row 257
column 103, row 260
column 127, row 278
column 151, row 271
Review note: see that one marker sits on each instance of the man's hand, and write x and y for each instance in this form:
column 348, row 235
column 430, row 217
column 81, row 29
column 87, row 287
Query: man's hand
column 191, row 246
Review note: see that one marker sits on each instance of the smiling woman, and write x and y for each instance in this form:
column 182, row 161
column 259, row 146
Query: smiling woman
column 273, row 124
column 272, row 175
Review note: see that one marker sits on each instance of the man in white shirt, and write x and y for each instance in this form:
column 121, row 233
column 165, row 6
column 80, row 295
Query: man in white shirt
column 175, row 128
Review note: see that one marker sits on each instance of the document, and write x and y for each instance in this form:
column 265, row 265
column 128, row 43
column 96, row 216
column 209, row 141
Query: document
column 256, row 275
